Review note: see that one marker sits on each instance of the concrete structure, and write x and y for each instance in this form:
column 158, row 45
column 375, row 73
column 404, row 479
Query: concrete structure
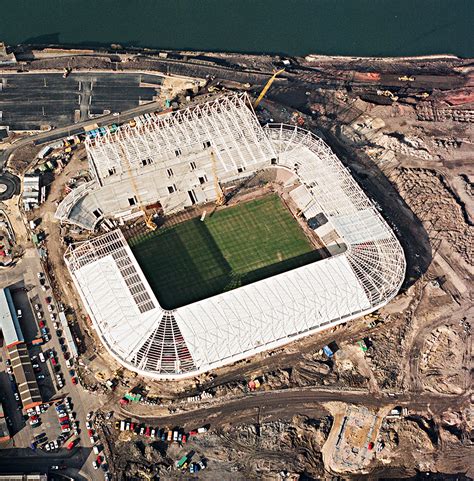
column 169, row 159
column 18, row 353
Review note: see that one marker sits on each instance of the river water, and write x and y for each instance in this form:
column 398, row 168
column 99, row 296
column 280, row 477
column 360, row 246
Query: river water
column 291, row 27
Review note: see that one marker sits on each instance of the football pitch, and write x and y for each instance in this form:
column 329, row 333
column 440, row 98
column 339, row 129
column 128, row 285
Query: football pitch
column 233, row 247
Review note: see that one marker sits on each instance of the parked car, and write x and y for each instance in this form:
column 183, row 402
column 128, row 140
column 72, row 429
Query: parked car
column 41, row 357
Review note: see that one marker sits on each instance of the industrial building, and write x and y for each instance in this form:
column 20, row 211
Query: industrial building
column 168, row 159
column 18, row 352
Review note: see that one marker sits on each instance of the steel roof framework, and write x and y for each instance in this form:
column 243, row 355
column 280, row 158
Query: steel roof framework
column 260, row 316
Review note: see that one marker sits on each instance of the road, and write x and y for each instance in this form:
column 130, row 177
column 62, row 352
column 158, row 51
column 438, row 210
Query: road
column 290, row 401
column 74, row 129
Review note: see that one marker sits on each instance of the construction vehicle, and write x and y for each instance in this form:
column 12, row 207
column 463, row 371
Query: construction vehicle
column 267, row 86
column 220, row 199
column 405, row 78
column 387, row 93
column 148, row 218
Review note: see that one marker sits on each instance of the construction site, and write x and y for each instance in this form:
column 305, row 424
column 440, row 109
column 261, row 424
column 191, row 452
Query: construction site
column 341, row 350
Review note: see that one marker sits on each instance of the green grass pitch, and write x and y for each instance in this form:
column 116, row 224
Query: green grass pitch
column 233, row 247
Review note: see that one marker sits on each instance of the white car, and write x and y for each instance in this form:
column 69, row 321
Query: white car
column 41, row 357
column 44, row 288
column 95, row 465
column 37, row 307
column 89, row 416
column 69, row 362
column 38, row 315
column 40, row 275
column 92, row 440
column 88, row 425
column 50, row 308
column 52, row 316
column 56, row 325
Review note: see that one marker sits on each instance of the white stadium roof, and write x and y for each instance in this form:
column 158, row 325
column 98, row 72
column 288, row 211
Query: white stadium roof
column 357, row 279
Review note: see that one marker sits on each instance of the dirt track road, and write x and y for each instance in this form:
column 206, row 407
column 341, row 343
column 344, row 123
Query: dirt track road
column 290, row 402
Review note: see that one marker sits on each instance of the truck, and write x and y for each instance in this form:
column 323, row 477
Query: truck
column 180, row 463
column 37, row 342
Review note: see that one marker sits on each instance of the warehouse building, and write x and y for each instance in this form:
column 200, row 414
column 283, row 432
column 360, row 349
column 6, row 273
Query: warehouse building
column 18, row 352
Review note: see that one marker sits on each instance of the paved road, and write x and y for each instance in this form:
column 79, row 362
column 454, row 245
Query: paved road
column 52, row 135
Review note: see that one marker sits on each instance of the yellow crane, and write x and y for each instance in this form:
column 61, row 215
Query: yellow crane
column 220, row 199
column 267, row 86
column 148, row 219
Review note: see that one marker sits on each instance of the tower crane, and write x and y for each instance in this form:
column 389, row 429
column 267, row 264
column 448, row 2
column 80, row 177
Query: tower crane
column 220, row 199
column 267, row 86
column 148, row 219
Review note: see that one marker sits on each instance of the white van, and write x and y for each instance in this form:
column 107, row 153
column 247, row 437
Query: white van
column 41, row 357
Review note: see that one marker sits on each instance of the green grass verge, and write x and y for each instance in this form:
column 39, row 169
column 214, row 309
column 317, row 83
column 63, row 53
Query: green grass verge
column 233, row 247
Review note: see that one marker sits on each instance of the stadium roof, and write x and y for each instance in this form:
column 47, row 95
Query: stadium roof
column 360, row 278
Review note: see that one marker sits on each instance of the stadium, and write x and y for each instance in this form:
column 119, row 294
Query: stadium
column 246, row 277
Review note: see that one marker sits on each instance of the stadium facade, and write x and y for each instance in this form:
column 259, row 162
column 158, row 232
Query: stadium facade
column 166, row 159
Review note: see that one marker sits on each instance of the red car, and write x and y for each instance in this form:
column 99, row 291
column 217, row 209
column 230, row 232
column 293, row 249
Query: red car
column 147, row 431
column 193, row 433
column 74, row 380
column 54, row 362
column 99, row 460
column 132, row 426
column 63, row 418
column 184, row 439
column 42, row 324
column 90, row 433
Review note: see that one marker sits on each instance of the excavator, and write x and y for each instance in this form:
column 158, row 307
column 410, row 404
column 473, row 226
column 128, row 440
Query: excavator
column 267, row 86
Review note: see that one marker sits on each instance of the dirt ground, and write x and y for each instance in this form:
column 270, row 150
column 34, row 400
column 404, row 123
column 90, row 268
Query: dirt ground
column 414, row 158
